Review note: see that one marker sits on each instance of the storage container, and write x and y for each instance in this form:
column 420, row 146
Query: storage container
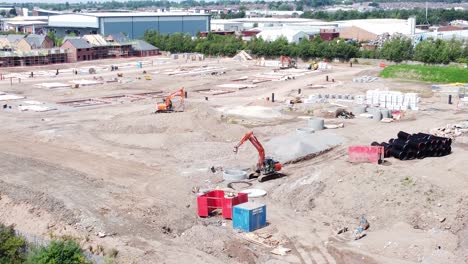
column 249, row 216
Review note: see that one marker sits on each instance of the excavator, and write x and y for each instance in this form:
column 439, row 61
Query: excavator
column 166, row 106
column 266, row 166
column 287, row 62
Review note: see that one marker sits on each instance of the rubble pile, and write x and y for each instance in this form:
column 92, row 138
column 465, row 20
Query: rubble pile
column 451, row 131
column 365, row 79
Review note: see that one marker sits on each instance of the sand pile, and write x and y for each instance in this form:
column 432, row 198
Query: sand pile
column 297, row 146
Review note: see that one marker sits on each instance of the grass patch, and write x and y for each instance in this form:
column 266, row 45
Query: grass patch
column 436, row 74
column 407, row 181
column 422, row 92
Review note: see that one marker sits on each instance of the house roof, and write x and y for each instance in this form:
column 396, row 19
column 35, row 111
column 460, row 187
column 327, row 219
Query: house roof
column 35, row 40
column 96, row 40
column 13, row 39
column 79, row 43
column 70, row 37
column 142, row 45
column 118, row 37
column 449, row 28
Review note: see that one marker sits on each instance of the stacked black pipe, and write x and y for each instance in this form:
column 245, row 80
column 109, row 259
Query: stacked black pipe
column 416, row 146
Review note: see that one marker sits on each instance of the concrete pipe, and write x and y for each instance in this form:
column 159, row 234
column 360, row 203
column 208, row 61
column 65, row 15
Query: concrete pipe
column 370, row 110
column 234, row 175
column 359, row 109
column 377, row 116
column 316, row 124
column 305, row 130
column 385, row 113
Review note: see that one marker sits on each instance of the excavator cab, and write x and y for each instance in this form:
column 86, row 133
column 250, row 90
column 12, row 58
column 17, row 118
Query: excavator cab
column 271, row 166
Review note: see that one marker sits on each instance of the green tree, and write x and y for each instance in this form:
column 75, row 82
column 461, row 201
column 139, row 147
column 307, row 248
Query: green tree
column 433, row 51
column 425, row 51
column 303, row 48
column 12, row 247
column 57, row 41
column 345, row 51
column 442, row 52
column 63, row 252
column 397, row 49
column 327, row 49
column 13, row 12
column 455, row 49
column 279, row 47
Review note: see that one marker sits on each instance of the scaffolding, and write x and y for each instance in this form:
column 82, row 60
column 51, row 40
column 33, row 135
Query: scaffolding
column 112, row 51
column 32, row 58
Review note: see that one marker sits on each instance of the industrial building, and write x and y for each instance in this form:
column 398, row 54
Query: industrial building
column 132, row 25
column 25, row 24
column 291, row 35
column 370, row 29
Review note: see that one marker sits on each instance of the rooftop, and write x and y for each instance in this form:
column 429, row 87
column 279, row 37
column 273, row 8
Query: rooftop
column 142, row 45
column 79, row 43
column 275, row 20
column 380, row 26
column 142, row 14
column 35, row 40
column 274, row 33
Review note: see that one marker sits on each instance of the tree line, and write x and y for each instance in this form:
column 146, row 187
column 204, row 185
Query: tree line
column 397, row 49
column 428, row 51
column 229, row 45
column 435, row 16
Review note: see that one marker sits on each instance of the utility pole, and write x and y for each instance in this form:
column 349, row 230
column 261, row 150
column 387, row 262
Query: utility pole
column 427, row 22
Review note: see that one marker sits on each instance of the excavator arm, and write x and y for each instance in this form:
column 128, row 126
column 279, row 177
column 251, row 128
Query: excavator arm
column 180, row 93
column 167, row 105
column 253, row 139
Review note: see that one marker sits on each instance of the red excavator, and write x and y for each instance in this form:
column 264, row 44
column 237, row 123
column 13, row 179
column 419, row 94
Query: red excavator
column 287, row 62
column 166, row 106
column 266, row 166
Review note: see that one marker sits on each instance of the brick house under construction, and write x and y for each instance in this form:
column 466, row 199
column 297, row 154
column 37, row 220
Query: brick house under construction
column 32, row 58
column 33, row 42
column 78, row 50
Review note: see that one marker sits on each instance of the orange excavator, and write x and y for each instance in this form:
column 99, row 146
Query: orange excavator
column 287, row 62
column 266, row 165
column 166, row 106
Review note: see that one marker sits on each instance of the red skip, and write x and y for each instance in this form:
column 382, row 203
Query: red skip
column 213, row 200
column 372, row 154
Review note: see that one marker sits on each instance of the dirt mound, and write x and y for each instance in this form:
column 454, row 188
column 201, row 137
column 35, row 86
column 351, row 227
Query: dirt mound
column 293, row 146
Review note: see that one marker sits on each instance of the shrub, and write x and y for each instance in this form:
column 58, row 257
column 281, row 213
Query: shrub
column 12, row 247
column 58, row 252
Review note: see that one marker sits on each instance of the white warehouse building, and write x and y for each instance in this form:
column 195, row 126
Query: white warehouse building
column 272, row 34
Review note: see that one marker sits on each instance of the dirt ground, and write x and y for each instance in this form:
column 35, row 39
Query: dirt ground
column 119, row 169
